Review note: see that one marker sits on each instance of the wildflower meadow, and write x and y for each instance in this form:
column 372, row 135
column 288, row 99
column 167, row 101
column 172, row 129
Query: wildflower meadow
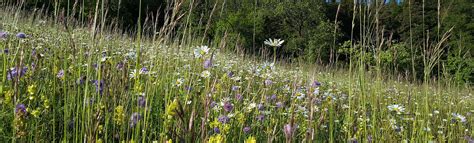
column 65, row 81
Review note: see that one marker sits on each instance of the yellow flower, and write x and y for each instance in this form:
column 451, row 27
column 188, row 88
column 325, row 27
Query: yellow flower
column 214, row 123
column 119, row 115
column 215, row 139
column 35, row 113
column 250, row 139
column 32, row 89
column 171, row 108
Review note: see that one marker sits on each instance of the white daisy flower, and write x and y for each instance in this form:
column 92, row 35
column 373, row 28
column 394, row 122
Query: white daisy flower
column 274, row 42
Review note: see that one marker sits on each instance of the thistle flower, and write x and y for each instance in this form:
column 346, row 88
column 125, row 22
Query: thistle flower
column 274, row 42
column 21, row 35
column 134, row 119
column 228, row 107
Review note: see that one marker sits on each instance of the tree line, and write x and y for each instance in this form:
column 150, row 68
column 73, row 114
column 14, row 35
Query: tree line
column 402, row 33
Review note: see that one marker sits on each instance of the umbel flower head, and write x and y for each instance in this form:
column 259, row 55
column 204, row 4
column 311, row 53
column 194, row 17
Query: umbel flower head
column 274, row 42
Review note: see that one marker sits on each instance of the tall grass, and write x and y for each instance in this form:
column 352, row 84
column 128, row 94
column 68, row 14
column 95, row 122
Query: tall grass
column 93, row 84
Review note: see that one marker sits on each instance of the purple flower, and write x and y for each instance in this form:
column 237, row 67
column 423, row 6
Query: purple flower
column 213, row 104
column 81, row 80
column 120, row 65
column 207, row 64
column 216, row 130
column 141, row 101
column 60, row 74
column 143, row 70
column 316, row 84
column 279, row 104
column 353, row 140
column 369, row 139
column 223, row 119
column 3, row 35
column 20, row 108
column 469, row 139
column 238, row 97
column 260, row 117
column 21, row 35
column 230, row 74
column 6, row 51
column 134, row 119
column 288, row 130
column 246, row 129
column 234, row 88
column 228, row 107
column 99, row 87
column 260, row 107
column 268, row 82
column 16, row 72
column 188, row 88
column 271, row 98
